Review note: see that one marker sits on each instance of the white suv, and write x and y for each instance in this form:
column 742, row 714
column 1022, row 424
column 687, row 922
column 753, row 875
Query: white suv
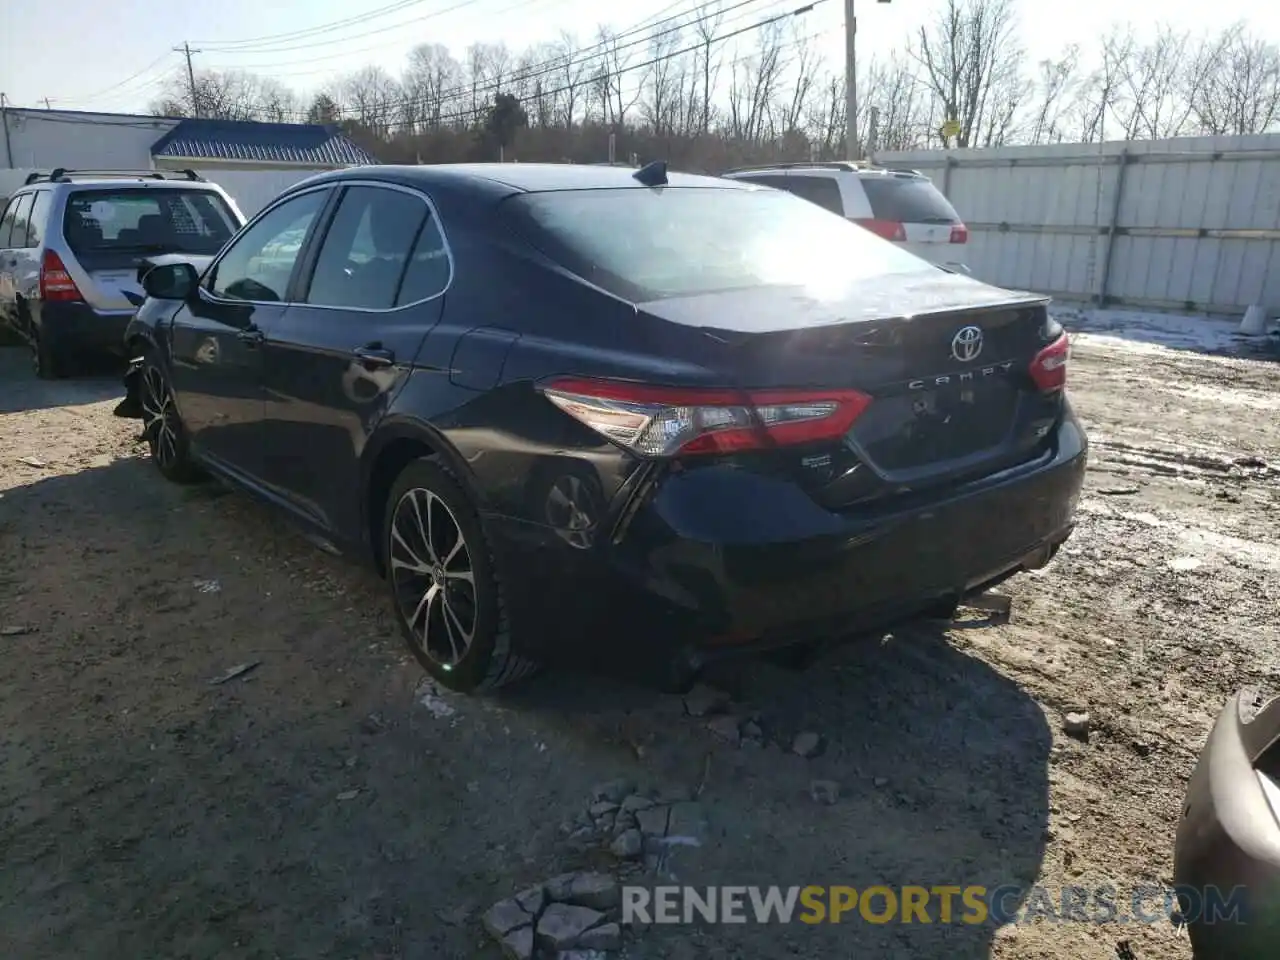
column 897, row 204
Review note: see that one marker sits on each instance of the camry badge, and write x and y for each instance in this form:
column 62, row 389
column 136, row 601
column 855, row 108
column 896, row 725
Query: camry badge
column 967, row 344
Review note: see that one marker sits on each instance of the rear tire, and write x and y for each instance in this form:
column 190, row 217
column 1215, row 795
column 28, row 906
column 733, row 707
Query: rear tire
column 163, row 429
column 444, row 585
column 46, row 359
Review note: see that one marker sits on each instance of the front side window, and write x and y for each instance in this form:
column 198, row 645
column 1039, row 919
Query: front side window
column 146, row 220
column 39, row 218
column 370, row 242
column 258, row 264
column 684, row 241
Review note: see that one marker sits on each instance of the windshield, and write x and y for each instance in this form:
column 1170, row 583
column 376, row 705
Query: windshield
column 147, row 221
column 683, row 241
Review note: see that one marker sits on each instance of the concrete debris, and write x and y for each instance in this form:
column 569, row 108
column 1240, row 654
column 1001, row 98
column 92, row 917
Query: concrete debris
column 607, row 936
column 518, row 944
column 562, row 925
column 879, row 782
column 703, row 701
column 726, row 728
column 636, row 803
column 505, row 916
column 532, row 901
column 824, row 791
column 16, row 631
column 806, row 744
column 599, row 891
column 602, row 808
column 627, row 845
column 582, row 955
column 687, row 825
column 613, row 791
column 653, row 821
column 1076, row 724
column 239, row 670
column 751, row 731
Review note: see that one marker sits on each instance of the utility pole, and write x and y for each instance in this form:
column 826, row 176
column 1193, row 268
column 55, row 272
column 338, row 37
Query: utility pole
column 850, row 81
column 186, row 50
column 852, row 147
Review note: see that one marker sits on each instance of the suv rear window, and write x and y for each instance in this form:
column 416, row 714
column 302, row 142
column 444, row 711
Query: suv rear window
column 643, row 244
column 147, row 221
column 903, row 200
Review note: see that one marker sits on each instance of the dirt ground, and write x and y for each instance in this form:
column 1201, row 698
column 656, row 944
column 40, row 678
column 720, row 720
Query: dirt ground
column 322, row 806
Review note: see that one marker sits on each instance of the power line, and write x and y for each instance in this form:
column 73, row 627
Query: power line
column 316, row 30
column 115, row 86
column 472, row 113
column 345, row 39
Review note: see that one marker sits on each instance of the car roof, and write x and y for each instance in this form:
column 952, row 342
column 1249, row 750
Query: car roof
column 518, row 177
column 128, row 183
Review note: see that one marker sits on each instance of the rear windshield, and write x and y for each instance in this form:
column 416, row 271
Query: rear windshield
column 643, row 244
column 903, row 200
column 147, row 221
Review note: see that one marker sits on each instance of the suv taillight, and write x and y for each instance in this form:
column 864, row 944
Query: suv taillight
column 55, row 281
column 1049, row 368
column 655, row 421
column 959, row 233
column 889, row 229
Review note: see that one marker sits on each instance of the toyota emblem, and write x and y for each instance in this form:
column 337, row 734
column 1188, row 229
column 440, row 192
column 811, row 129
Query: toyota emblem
column 967, row 344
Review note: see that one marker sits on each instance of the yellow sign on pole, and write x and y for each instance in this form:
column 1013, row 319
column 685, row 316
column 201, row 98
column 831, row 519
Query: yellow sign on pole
column 951, row 129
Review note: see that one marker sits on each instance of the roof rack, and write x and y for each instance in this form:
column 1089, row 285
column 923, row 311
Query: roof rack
column 65, row 175
column 849, row 166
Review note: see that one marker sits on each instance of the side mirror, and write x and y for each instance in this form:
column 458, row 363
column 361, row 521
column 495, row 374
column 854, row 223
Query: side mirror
column 171, row 281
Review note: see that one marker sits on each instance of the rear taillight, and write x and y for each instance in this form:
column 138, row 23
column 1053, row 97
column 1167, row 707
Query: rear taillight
column 1049, row 368
column 959, row 233
column 889, row 229
column 55, row 281
column 655, row 421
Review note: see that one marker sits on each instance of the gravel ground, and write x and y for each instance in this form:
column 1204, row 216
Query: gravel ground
column 327, row 804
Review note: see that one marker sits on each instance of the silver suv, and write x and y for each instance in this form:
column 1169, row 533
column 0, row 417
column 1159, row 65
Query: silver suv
column 71, row 243
column 898, row 204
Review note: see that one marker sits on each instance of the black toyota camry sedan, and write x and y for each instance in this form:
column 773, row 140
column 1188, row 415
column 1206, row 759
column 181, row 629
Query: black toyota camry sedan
column 556, row 402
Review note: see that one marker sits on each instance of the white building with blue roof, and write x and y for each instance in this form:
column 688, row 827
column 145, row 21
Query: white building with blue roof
column 252, row 161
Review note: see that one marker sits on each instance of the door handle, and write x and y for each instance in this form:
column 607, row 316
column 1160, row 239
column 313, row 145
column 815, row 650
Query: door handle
column 253, row 336
column 374, row 357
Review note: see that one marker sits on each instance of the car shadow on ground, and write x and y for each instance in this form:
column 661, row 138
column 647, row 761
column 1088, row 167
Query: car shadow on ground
column 92, row 383
column 315, row 808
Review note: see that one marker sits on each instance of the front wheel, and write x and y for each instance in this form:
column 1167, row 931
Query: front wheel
column 163, row 429
column 447, row 595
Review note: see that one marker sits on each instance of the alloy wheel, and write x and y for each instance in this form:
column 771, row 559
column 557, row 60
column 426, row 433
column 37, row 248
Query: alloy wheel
column 433, row 577
column 158, row 418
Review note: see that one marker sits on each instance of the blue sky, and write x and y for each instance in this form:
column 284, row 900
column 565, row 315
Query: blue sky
column 81, row 56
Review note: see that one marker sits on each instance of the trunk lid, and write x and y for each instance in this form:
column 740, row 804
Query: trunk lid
column 943, row 356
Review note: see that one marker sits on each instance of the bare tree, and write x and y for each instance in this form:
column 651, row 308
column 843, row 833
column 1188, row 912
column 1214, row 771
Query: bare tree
column 756, row 79
column 706, row 26
column 972, row 62
column 372, row 98
column 660, row 97
column 1054, row 88
column 1152, row 106
column 431, row 75
column 569, row 79
column 1102, row 90
column 616, row 92
column 802, row 70
column 1233, row 84
column 892, row 87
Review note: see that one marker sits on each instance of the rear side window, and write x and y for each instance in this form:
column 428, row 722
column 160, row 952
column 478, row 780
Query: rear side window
column 363, row 258
column 21, row 221
column 903, row 200
column 428, row 272
column 766, row 180
column 6, row 222
column 824, row 191
column 39, row 218
column 141, row 220
column 683, row 241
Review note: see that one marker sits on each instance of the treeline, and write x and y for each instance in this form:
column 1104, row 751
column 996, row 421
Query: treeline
column 735, row 81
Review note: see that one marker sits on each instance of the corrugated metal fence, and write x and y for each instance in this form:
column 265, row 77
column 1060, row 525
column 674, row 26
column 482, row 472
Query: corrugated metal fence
column 1187, row 224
